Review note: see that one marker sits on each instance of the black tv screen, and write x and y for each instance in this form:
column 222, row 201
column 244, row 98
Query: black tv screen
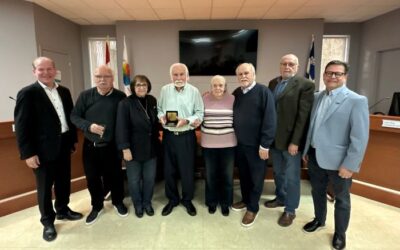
column 212, row 52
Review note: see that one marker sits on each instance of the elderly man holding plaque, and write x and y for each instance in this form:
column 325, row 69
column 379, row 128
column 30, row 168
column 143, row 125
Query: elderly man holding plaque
column 180, row 106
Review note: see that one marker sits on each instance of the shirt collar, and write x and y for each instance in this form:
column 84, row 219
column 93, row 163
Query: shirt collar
column 245, row 90
column 46, row 87
column 335, row 92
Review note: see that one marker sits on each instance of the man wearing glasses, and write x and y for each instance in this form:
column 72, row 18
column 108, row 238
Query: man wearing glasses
column 294, row 96
column 335, row 146
column 95, row 114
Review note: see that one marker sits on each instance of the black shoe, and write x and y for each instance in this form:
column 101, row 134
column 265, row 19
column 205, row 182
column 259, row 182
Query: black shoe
column 339, row 241
column 93, row 216
column 139, row 212
column 313, row 226
column 225, row 210
column 212, row 209
column 49, row 233
column 69, row 215
column 168, row 209
column 191, row 210
column 121, row 210
column 149, row 210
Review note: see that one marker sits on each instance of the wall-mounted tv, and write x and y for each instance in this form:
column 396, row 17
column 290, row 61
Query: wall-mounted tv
column 211, row 52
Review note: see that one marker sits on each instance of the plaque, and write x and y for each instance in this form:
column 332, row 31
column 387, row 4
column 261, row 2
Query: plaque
column 171, row 118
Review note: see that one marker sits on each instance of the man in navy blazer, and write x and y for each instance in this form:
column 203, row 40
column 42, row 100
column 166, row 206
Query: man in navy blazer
column 46, row 138
column 335, row 146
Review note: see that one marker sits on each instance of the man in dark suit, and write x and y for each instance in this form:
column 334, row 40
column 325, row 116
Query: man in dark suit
column 46, row 139
column 294, row 96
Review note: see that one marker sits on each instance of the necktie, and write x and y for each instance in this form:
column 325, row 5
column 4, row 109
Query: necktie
column 279, row 88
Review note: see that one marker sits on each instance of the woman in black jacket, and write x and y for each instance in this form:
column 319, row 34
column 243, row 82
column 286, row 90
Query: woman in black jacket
column 137, row 136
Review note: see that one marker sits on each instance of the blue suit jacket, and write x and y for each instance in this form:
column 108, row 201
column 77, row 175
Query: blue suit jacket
column 342, row 137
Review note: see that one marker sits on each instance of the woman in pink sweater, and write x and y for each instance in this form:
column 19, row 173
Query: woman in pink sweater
column 218, row 141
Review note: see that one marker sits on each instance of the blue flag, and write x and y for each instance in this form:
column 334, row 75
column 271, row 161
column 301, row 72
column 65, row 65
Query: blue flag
column 310, row 73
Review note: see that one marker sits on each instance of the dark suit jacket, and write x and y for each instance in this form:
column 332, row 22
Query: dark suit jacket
column 293, row 109
column 37, row 125
column 136, row 131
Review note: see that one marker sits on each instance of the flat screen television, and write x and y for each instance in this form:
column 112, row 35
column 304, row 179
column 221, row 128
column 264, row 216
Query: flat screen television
column 212, row 52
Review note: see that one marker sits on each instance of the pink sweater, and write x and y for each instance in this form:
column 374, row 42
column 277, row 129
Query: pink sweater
column 217, row 128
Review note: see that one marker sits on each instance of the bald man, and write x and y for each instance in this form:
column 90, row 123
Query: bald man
column 293, row 96
column 95, row 114
column 46, row 139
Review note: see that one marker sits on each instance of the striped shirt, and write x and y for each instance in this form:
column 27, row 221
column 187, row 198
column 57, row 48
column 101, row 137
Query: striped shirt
column 217, row 127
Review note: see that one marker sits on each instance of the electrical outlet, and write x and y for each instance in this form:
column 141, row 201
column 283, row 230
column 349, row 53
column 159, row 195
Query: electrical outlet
column 13, row 128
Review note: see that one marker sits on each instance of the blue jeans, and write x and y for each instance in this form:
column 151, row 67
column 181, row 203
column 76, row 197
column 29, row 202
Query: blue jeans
column 141, row 178
column 287, row 178
column 219, row 175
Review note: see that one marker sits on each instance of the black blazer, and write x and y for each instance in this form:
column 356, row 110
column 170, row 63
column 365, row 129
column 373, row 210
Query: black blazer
column 136, row 130
column 37, row 126
column 293, row 108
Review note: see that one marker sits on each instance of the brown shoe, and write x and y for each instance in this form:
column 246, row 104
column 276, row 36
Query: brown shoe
column 273, row 203
column 249, row 218
column 239, row 206
column 286, row 219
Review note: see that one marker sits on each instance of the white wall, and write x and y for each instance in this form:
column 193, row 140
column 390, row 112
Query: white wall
column 17, row 50
column 379, row 35
column 153, row 46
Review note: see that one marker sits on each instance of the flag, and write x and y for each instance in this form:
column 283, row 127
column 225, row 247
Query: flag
column 126, row 72
column 107, row 53
column 310, row 73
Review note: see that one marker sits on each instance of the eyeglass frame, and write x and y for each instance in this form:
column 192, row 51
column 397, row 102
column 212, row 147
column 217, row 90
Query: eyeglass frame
column 336, row 74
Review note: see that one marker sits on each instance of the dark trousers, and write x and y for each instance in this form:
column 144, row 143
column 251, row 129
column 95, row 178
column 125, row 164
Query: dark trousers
column 102, row 165
column 319, row 178
column 251, row 174
column 179, row 152
column 219, row 175
column 57, row 172
column 141, row 177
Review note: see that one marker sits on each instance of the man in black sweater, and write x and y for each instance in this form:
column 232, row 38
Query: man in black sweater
column 254, row 120
column 95, row 114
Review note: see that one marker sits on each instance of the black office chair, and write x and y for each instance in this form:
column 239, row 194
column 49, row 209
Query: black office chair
column 395, row 106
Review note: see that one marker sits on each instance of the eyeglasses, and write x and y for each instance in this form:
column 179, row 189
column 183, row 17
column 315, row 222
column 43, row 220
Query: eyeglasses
column 291, row 65
column 336, row 74
column 140, row 85
column 103, row 76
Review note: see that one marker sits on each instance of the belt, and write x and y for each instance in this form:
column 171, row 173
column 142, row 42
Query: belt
column 96, row 144
column 178, row 132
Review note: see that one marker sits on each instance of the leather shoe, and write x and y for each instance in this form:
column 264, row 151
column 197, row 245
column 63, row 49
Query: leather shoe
column 313, row 226
column 69, row 215
column 149, row 210
column 139, row 212
column 212, row 209
column 339, row 241
column 168, row 209
column 286, row 219
column 49, row 233
column 225, row 210
column 273, row 203
column 191, row 210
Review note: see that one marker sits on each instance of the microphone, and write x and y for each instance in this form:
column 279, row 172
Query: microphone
column 12, row 98
column 376, row 103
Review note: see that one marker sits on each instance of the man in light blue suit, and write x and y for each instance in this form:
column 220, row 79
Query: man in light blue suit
column 336, row 142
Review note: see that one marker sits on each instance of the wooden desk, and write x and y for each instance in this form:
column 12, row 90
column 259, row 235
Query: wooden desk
column 379, row 177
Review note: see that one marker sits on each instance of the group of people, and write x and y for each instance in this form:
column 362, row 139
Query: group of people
column 286, row 121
